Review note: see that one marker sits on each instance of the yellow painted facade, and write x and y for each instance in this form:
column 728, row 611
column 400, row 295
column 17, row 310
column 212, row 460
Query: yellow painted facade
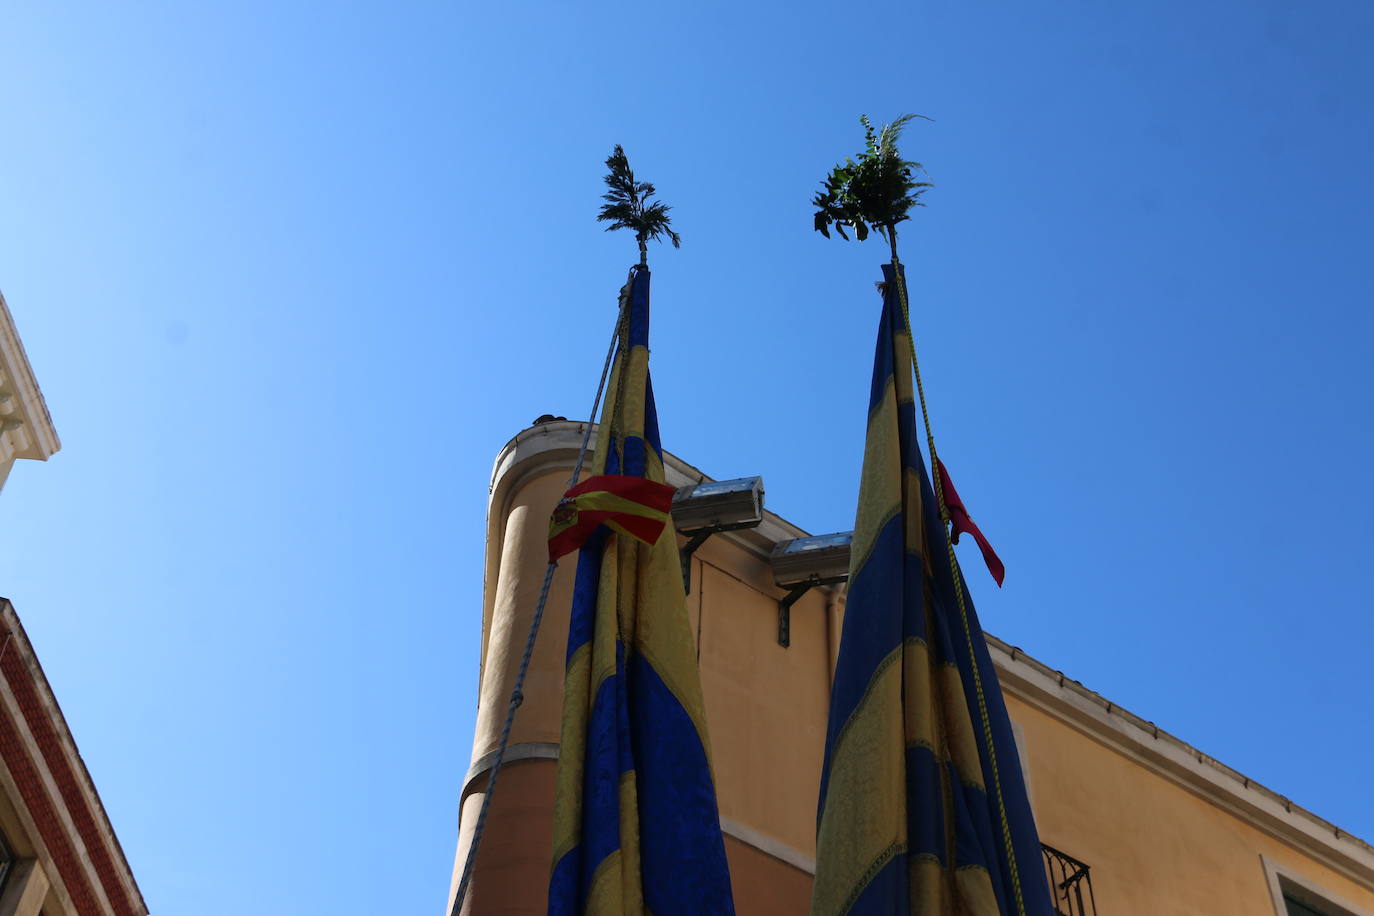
column 1163, row 828
column 1154, row 846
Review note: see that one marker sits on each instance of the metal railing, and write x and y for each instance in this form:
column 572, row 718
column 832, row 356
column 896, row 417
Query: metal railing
column 1071, row 887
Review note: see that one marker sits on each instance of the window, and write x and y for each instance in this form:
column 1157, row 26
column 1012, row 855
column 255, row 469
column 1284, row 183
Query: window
column 1295, row 894
column 1296, row 908
column 6, row 860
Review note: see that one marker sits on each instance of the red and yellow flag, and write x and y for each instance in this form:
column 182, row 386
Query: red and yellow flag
column 634, row 506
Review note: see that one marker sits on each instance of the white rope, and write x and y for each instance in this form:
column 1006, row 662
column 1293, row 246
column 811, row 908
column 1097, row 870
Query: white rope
column 517, row 697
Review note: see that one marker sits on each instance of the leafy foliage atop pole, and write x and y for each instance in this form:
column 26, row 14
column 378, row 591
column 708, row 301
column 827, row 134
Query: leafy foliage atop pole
column 878, row 190
column 628, row 206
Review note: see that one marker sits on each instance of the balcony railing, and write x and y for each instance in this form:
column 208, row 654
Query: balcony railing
column 1071, row 887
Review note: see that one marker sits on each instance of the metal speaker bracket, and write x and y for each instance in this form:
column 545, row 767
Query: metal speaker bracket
column 695, row 540
column 793, row 594
column 800, row 564
column 703, row 509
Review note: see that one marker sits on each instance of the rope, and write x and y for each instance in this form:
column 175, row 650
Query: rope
column 622, row 330
column 958, row 576
column 517, row 697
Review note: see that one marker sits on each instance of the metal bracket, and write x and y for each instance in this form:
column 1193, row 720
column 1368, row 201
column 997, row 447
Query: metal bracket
column 785, row 611
column 793, row 594
column 685, row 555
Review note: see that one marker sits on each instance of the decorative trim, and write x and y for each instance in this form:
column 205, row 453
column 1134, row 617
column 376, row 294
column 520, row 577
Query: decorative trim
column 553, row 446
column 547, row 750
column 25, row 888
column 1145, row 743
column 55, row 786
column 526, row 750
column 60, row 782
column 52, row 830
column 769, row 846
column 26, row 429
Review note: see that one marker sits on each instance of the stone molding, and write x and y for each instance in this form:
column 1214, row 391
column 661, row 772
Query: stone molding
column 25, row 889
column 525, row 750
column 548, row 751
column 769, row 846
column 26, row 429
column 1066, row 700
column 553, row 446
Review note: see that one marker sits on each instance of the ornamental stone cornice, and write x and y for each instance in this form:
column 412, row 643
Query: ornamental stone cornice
column 55, row 800
column 26, row 429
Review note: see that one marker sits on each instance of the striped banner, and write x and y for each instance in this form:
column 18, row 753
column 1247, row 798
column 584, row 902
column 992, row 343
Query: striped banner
column 922, row 805
column 636, row 828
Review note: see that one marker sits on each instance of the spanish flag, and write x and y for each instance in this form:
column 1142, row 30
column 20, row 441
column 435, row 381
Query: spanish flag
column 922, row 805
column 636, row 829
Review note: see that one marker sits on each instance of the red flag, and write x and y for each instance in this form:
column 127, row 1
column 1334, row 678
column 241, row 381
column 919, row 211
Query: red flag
column 960, row 522
column 635, row 506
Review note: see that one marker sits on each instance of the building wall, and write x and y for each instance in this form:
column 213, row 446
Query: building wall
column 1162, row 832
column 1154, row 846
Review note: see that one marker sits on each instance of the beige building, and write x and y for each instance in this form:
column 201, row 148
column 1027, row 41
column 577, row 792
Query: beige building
column 1135, row 821
column 58, row 853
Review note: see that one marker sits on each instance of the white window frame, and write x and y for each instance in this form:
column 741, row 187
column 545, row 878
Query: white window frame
column 1284, row 880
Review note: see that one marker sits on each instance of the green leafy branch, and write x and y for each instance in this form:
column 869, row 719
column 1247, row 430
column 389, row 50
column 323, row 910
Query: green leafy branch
column 876, row 191
column 628, row 206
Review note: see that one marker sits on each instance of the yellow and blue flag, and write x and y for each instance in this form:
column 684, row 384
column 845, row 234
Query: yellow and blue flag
column 636, row 828
column 922, row 805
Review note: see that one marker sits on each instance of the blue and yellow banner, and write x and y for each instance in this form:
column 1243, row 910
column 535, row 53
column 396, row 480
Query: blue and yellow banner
column 636, row 829
column 922, row 805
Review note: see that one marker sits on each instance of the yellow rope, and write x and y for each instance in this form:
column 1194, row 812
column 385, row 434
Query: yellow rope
column 959, row 591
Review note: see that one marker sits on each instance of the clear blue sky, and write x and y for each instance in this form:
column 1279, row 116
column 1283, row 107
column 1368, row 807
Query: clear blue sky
column 290, row 276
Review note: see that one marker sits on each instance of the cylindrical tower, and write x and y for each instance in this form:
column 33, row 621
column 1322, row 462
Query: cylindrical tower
column 766, row 705
column 511, row 871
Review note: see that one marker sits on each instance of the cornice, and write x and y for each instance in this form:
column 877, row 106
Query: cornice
column 553, row 446
column 26, row 429
column 1142, row 741
column 59, row 775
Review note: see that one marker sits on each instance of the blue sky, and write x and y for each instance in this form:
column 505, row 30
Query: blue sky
column 290, row 276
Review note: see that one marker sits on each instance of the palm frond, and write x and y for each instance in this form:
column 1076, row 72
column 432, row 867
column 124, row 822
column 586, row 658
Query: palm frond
column 877, row 191
column 628, row 204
